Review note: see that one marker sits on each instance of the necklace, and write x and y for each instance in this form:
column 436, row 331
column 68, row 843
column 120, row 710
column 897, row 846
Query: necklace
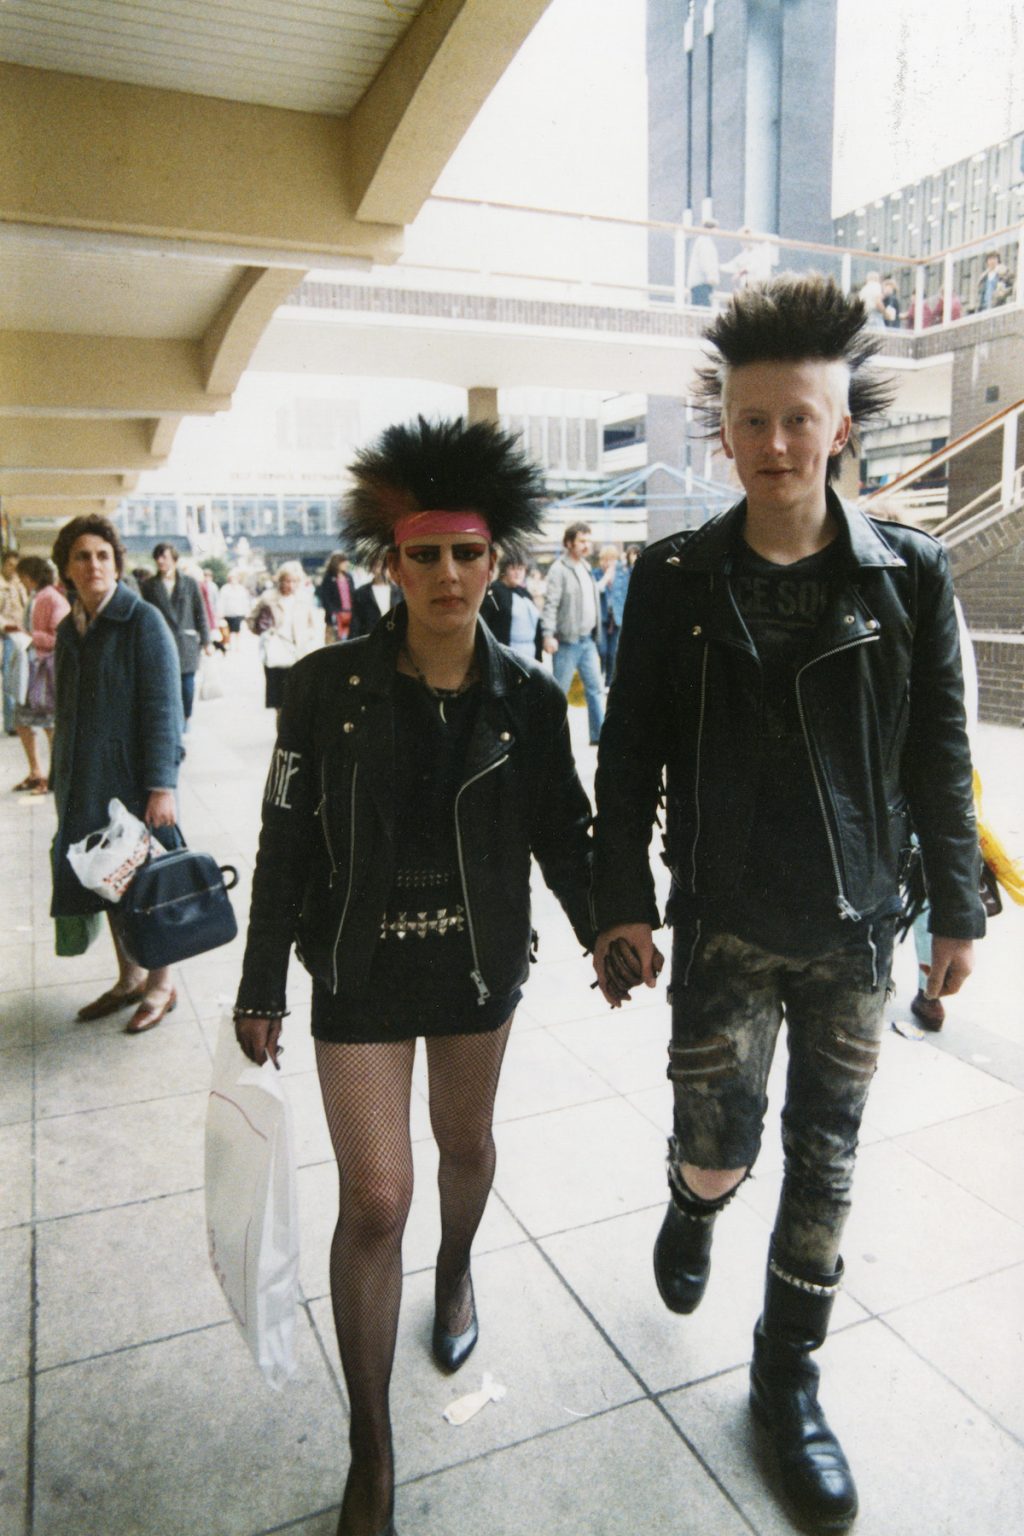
column 443, row 695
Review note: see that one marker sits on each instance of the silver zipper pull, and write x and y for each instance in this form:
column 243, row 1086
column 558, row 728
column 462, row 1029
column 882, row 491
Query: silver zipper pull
column 483, row 992
column 846, row 911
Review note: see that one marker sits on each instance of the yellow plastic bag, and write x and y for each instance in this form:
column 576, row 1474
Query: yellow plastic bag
column 1006, row 869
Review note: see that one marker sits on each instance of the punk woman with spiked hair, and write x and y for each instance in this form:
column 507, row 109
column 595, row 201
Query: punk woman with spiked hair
column 416, row 770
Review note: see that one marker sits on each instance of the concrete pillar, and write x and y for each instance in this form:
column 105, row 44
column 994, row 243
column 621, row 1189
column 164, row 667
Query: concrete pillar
column 482, row 405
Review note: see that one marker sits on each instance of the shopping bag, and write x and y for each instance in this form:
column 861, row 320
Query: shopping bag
column 211, row 680
column 252, row 1205
column 73, row 935
column 106, row 861
column 20, row 664
column 277, row 651
column 41, row 694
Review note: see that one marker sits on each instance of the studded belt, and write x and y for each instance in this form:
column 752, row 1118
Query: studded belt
column 439, row 922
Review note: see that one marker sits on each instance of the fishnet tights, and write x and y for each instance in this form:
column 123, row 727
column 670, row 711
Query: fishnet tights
column 366, row 1091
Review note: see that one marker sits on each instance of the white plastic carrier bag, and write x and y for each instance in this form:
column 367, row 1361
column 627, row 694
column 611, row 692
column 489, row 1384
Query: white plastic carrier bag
column 106, row 861
column 211, row 678
column 251, row 1203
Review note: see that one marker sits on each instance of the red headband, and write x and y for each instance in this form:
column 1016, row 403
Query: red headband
column 419, row 524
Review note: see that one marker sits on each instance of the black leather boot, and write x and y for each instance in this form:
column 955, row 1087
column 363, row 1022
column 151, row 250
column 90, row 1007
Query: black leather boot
column 813, row 1470
column 682, row 1257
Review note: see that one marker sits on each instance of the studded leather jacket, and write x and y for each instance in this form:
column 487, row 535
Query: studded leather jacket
column 880, row 703
column 326, row 860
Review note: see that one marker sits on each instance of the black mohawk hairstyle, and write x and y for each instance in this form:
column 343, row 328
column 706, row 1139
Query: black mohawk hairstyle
column 451, row 466
column 794, row 319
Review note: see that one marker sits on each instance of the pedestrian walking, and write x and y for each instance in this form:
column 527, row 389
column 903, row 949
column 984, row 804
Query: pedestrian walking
column 416, row 770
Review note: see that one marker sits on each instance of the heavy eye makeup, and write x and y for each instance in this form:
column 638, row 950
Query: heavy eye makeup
column 430, row 554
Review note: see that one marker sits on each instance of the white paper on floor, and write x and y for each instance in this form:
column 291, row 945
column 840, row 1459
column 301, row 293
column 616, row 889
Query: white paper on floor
column 464, row 1408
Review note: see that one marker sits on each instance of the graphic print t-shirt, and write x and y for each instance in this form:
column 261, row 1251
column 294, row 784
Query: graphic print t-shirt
column 786, row 900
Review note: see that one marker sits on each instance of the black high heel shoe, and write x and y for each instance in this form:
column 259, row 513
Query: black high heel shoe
column 452, row 1350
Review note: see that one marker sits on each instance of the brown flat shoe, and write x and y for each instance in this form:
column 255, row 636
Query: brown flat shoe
column 30, row 783
column 149, row 1014
column 928, row 1011
column 110, row 1002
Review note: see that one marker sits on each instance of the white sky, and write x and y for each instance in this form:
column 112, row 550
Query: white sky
column 919, row 84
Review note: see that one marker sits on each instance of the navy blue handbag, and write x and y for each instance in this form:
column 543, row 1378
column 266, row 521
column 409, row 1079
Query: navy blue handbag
column 177, row 906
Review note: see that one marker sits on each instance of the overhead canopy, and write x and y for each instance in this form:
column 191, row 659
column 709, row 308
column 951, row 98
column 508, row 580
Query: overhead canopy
column 168, row 174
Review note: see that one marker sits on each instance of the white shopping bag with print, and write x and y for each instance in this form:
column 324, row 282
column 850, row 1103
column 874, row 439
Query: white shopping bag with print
column 251, row 1203
column 106, row 861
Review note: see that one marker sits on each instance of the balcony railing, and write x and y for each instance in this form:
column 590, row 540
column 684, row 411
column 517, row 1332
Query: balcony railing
column 1007, row 492
column 507, row 250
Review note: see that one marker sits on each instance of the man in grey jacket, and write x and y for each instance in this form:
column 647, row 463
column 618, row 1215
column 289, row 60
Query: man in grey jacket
column 180, row 601
column 569, row 621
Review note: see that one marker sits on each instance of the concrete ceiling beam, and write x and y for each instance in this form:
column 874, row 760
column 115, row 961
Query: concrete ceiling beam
column 52, row 514
column 49, row 374
column 78, row 153
column 231, row 338
column 56, row 444
column 65, row 487
column 406, row 126
column 163, row 431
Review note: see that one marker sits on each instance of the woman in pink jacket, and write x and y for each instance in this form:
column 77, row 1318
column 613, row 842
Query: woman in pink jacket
column 47, row 605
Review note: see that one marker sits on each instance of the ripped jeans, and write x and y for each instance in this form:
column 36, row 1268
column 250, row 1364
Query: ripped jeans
column 729, row 998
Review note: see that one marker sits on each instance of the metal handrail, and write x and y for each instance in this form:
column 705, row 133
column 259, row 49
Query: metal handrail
column 957, row 527
column 991, row 237
column 965, row 440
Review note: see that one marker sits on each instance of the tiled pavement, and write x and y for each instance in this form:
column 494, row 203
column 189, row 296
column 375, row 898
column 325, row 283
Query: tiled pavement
column 128, row 1404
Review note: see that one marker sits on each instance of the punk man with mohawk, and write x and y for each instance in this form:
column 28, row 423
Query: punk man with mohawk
column 416, row 770
column 789, row 680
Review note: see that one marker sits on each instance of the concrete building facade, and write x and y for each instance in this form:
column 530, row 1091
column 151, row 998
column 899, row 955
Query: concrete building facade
column 740, row 111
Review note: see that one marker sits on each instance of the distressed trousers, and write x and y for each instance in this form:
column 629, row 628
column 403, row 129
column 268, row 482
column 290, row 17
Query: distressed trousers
column 729, row 998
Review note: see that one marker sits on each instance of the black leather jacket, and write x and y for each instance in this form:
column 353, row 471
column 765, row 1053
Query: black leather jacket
column 881, row 704
column 326, row 860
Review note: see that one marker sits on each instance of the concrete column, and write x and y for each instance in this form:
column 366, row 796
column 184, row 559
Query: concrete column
column 482, row 405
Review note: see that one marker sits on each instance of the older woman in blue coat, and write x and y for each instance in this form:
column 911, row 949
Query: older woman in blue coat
column 117, row 735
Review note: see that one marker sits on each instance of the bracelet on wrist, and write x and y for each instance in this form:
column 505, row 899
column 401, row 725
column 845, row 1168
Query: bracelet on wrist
column 260, row 1013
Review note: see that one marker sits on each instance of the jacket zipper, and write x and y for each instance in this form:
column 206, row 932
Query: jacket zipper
column 846, row 909
column 696, row 780
column 322, row 809
column 482, row 989
column 351, row 873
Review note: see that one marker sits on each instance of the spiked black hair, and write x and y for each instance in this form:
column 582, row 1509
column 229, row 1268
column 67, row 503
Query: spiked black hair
column 442, row 466
column 794, row 319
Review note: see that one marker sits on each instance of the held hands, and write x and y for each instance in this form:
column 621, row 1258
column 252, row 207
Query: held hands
column 259, row 1039
column 952, row 963
column 550, row 644
column 623, row 957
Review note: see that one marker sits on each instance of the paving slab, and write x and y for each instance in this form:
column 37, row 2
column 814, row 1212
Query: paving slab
column 927, row 1462
column 974, row 1335
column 14, row 1440
column 549, row 1186
column 112, row 1157
column 15, row 1301
column 183, row 1436
column 112, row 1279
column 623, row 1473
column 982, row 1152
column 16, row 1184
column 535, row 1340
